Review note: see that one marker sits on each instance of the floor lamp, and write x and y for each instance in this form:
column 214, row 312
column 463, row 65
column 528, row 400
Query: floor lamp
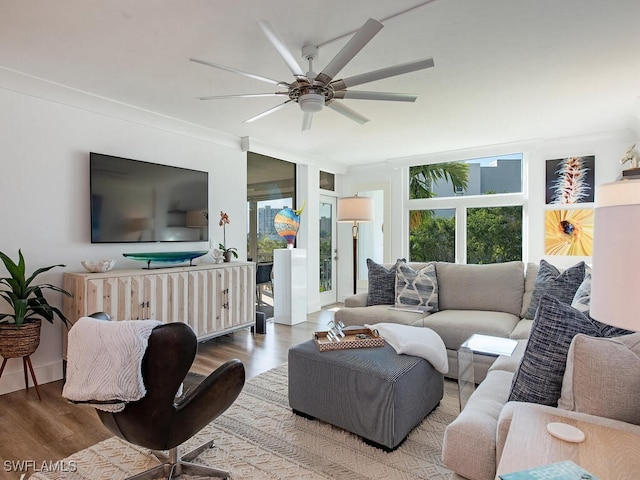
column 355, row 209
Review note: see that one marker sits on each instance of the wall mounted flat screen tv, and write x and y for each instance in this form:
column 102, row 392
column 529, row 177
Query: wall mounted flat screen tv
column 134, row 201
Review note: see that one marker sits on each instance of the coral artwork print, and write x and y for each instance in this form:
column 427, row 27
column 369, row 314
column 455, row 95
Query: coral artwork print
column 570, row 180
column 569, row 232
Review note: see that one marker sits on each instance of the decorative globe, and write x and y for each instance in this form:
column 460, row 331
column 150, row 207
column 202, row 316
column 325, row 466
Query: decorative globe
column 287, row 222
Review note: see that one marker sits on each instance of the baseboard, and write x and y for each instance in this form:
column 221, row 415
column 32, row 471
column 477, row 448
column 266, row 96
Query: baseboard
column 14, row 380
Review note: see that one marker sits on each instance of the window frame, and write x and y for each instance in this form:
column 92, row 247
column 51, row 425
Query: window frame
column 461, row 204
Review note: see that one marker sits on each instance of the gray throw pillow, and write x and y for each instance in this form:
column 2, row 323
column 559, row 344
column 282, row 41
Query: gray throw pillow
column 539, row 376
column 603, row 377
column 382, row 283
column 417, row 289
column 549, row 281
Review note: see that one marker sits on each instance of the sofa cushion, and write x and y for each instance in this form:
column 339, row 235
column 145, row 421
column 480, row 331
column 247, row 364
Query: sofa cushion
column 510, row 363
column 382, row 283
column 469, row 443
column 522, row 330
column 539, row 376
column 493, row 287
column 529, row 286
column 378, row 314
column 603, row 377
column 416, row 289
column 549, row 281
column 456, row 326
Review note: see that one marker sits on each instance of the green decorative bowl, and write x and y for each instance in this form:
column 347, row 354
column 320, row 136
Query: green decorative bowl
column 166, row 258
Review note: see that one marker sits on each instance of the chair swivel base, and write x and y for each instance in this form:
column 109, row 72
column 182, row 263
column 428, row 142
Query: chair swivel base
column 174, row 466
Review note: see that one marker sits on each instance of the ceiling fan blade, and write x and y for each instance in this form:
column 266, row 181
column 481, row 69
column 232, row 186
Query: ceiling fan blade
column 266, row 112
column 275, row 39
column 382, row 73
column 347, row 112
column 306, row 121
column 244, row 95
column 360, row 95
column 350, row 50
column 240, row 72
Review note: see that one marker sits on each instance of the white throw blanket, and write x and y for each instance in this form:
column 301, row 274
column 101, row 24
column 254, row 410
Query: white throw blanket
column 104, row 362
column 418, row 341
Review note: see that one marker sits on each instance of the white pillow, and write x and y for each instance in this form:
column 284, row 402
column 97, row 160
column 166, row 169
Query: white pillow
column 418, row 341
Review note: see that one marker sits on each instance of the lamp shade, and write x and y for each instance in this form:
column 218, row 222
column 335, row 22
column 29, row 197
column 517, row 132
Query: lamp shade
column 615, row 286
column 355, row 209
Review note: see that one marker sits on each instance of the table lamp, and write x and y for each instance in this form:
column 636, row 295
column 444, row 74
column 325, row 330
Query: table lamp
column 355, row 209
column 615, row 284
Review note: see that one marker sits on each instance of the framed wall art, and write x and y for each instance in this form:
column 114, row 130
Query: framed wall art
column 570, row 180
column 569, row 232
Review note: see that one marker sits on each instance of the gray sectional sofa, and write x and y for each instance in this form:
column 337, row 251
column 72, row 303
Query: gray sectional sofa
column 488, row 299
column 565, row 362
column 474, row 441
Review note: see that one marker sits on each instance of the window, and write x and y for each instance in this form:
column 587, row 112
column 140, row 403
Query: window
column 327, row 181
column 270, row 188
column 468, row 211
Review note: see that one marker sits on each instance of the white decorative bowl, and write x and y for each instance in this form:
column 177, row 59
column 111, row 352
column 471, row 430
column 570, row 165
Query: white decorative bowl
column 100, row 266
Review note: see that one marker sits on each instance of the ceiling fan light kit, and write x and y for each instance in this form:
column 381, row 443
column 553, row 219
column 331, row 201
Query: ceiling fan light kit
column 311, row 102
column 313, row 91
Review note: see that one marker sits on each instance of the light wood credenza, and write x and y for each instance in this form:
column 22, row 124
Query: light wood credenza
column 214, row 299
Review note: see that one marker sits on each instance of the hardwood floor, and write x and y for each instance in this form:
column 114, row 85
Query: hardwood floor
column 52, row 429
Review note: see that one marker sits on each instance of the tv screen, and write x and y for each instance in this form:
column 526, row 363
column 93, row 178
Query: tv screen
column 135, row 201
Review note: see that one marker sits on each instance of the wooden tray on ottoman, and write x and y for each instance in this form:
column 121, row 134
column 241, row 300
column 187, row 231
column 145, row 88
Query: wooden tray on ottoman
column 350, row 340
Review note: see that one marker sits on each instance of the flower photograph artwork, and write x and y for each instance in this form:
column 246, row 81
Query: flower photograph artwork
column 570, row 180
column 569, row 232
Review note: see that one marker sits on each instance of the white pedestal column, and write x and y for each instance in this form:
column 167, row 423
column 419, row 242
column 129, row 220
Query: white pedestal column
column 289, row 286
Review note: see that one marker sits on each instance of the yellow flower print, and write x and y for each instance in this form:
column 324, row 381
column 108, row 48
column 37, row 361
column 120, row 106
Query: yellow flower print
column 568, row 232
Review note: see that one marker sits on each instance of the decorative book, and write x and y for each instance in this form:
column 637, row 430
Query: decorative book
column 566, row 470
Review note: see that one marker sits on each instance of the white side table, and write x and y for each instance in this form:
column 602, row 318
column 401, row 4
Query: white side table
column 478, row 344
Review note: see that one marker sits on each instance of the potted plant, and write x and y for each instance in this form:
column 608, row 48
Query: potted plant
column 20, row 329
column 226, row 252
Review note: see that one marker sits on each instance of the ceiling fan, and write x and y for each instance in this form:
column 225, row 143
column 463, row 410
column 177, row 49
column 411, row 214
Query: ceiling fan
column 313, row 91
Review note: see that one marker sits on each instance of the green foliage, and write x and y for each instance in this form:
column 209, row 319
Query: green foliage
column 231, row 250
column 266, row 246
column 433, row 239
column 494, row 234
column 422, row 177
column 25, row 298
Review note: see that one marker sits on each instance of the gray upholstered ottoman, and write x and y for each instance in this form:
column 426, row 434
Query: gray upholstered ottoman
column 372, row 392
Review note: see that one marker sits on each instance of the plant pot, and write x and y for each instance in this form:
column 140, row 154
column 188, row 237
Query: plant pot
column 19, row 341
column 227, row 256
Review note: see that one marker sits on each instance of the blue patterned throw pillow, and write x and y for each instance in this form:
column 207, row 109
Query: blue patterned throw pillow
column 417, row 289
column 382, row 283
column 549, row 281
column 539, row 376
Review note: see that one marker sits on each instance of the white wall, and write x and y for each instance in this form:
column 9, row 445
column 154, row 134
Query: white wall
column 44, row 208
column 606, row 147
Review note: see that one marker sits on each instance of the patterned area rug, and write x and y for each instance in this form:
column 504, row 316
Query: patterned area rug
column 259, row 438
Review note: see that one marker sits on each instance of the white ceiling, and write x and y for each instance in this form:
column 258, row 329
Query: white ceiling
column 505, row 70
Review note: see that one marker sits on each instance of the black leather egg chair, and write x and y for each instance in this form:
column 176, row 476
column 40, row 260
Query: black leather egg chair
column 160, row 421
